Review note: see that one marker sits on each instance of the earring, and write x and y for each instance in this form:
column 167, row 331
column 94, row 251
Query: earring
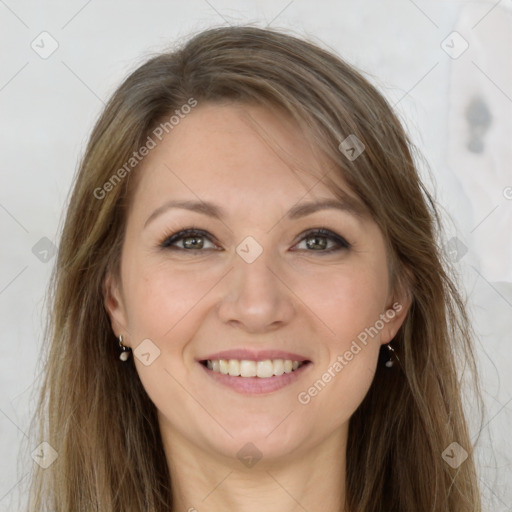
column 392, row 354
column 125, row 351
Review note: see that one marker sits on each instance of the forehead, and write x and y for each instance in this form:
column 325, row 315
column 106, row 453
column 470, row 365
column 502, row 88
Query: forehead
column 225, row 152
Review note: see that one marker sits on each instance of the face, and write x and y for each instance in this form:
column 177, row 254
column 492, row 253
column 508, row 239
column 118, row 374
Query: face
column 227, row 268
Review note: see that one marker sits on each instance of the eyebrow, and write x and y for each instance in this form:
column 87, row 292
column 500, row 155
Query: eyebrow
column 347, row 205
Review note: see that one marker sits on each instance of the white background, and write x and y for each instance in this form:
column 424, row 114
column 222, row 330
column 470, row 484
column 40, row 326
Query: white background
column 48, row 107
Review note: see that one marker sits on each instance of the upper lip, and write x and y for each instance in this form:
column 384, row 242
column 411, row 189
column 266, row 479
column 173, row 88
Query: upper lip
column 254, row 355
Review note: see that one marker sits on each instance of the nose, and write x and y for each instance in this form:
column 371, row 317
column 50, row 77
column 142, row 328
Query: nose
column 257, row 299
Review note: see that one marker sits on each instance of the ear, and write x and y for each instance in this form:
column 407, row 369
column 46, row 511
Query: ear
column 395, row 314
column 114, row 304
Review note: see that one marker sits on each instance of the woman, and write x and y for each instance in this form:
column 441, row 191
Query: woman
column 250, row 307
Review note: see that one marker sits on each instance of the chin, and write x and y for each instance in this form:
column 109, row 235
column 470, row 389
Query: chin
column 268, row 438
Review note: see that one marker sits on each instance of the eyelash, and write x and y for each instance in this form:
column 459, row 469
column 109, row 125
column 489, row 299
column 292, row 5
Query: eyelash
column 172, row 238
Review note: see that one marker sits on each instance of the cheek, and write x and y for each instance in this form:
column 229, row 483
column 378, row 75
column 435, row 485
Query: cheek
column 350, row 302
column 335, row 394
column 340, row 382
column 160, row 298
column 163, row 306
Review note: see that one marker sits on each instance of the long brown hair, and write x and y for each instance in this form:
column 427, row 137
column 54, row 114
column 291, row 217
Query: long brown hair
column 94, row 411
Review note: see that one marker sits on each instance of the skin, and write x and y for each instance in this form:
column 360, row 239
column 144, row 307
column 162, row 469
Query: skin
column 194, row 302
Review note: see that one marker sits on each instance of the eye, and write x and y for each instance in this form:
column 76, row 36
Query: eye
column 191, row 239
column 323, row 240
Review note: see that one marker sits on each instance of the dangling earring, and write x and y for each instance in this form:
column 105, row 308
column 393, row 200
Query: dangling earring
column 392, row 354
column 125, row 351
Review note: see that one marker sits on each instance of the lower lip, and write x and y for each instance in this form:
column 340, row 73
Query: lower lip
column 256, row 385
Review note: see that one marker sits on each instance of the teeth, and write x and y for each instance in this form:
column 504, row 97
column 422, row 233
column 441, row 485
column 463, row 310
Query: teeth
column 278, row 367
column 264, row 369
column 233, row 367
column 224, row 366
column 245, row 368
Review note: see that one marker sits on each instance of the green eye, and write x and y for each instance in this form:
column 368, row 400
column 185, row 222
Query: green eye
column 192, row 239
column 316, row 240
column 319, row 240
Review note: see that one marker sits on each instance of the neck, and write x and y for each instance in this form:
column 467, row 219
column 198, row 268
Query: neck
column 312, row 480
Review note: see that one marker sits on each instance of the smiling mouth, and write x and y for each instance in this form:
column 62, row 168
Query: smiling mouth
column 247, row 368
